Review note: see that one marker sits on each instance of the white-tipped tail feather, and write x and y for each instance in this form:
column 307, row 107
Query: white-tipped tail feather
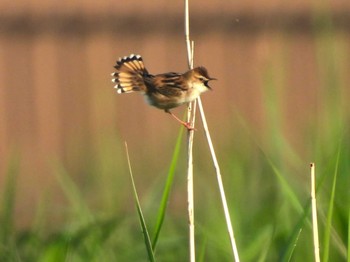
column 129, row 74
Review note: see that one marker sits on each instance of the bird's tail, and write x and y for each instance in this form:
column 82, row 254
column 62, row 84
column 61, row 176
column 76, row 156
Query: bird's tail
column 129, row 74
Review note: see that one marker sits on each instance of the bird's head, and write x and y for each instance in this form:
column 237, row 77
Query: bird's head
column 201, row 78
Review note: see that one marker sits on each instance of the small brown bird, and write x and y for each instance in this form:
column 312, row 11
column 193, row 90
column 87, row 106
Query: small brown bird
column 164, row 91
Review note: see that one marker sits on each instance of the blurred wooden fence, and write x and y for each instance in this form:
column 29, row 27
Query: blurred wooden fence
column 54, row 72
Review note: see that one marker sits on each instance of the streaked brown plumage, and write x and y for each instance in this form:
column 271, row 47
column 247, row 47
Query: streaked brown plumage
column 164, row 91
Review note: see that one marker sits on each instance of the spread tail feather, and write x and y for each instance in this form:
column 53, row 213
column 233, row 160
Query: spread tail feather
column 129, row 74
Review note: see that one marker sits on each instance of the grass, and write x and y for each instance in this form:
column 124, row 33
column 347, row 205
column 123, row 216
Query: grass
column 150, row 247
column 272, row 218
column 266, row 183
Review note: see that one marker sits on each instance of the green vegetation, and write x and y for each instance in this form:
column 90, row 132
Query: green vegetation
column 266, row 181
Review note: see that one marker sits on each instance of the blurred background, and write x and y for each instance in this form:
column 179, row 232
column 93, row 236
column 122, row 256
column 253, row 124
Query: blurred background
column 282, row 97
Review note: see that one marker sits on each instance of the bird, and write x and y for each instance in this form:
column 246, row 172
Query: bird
column 164, row 91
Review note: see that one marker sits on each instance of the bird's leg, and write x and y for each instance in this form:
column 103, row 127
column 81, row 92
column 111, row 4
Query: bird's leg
column 186, row 124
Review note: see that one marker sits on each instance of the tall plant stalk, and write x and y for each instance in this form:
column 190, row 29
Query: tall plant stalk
column 191, row 119
column 191, row 113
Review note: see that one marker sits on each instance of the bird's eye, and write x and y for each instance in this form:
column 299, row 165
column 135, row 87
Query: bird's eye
column 201, row 78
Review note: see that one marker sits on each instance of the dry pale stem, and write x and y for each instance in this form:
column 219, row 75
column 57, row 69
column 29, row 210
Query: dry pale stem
column 220, row 183
column 191, row 120
column 314, row 214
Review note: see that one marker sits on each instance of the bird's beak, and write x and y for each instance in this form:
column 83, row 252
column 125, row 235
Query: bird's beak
column 207, row 83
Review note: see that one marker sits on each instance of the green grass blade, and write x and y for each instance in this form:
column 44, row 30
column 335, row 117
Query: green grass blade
column 349, row 236
column 328, row 228
column 287, row 253
column 168, row 185
column 259, row 245
column 202, row 250
column 56, row 250
column 142, row 221
column 73, row 194
column 304, row 211
column 286, row 188
column 144, row 230
column 292, row 247
column 8, row 202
